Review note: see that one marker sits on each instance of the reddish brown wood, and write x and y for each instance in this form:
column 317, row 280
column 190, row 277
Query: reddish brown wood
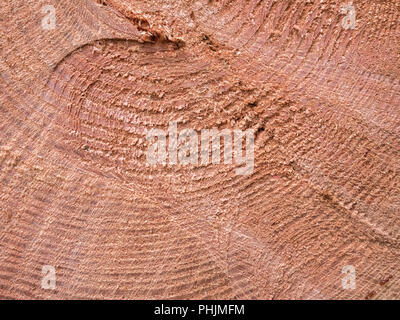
column 75, row 190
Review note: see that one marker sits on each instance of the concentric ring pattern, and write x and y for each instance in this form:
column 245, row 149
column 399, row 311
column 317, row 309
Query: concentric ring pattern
column 77, row 193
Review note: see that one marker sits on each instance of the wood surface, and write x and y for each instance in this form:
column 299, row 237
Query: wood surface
column 76, row 192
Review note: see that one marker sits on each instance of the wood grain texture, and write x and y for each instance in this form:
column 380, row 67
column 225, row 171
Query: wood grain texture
column 76, row 192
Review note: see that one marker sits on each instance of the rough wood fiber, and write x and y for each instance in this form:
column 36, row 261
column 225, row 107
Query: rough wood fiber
column 75, row 190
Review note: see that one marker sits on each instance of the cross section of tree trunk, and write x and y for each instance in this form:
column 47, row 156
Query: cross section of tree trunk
column 82, row 82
